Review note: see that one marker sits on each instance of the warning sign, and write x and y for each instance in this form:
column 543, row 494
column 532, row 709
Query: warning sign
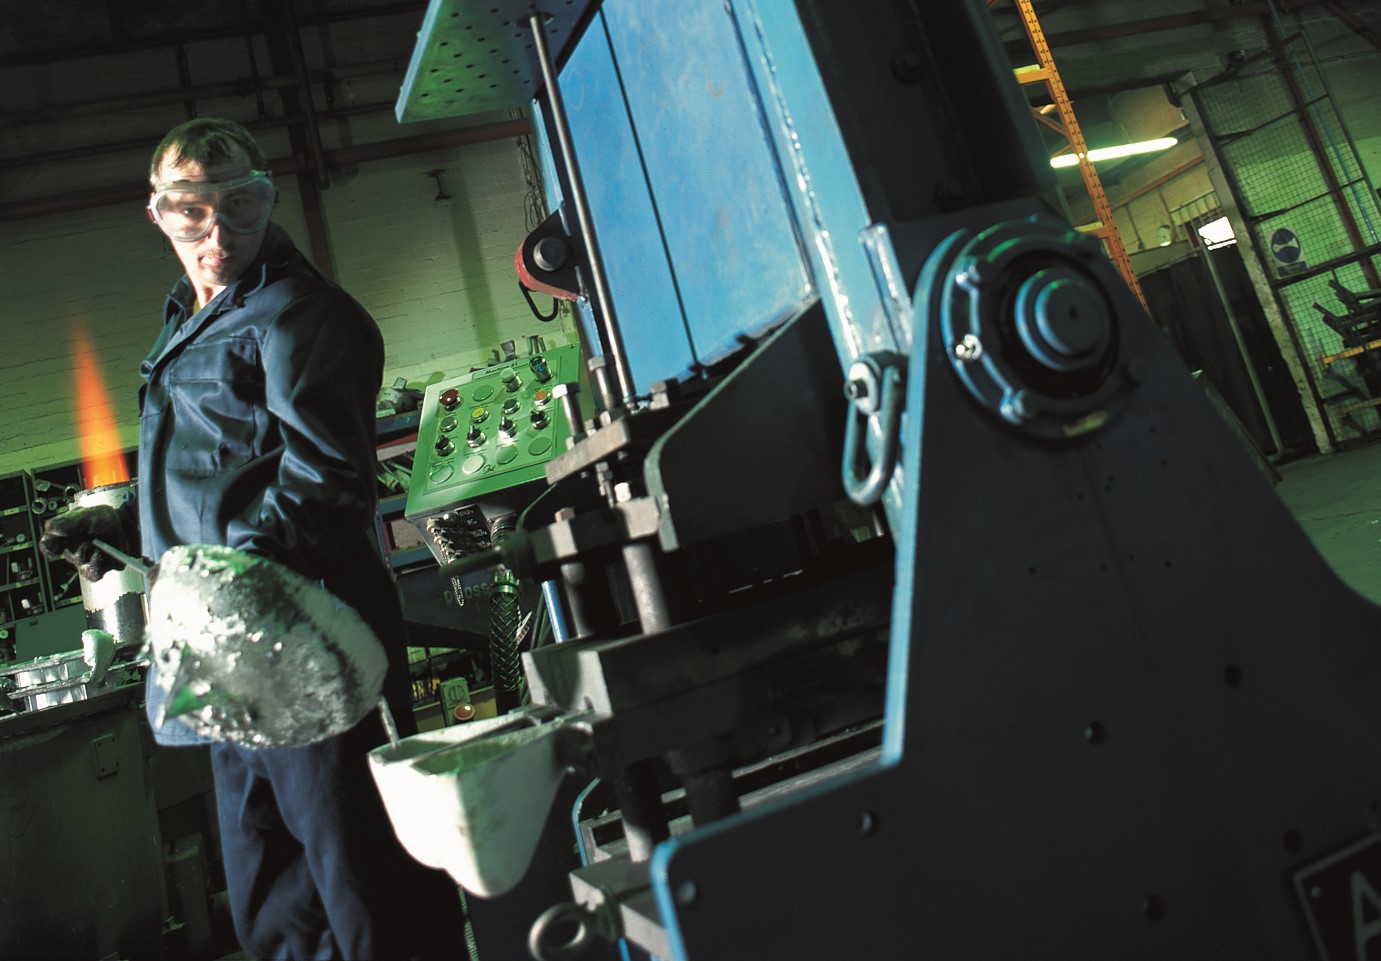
column 1287, row 252
column 1341, row 898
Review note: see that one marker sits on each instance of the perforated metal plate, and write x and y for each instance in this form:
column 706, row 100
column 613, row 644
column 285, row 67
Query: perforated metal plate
column 478, row 55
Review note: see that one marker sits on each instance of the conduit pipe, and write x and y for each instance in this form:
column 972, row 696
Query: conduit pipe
column 138, row 191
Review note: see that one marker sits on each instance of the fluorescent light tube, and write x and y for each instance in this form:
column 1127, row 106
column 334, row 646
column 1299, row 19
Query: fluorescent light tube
column 1113, row 153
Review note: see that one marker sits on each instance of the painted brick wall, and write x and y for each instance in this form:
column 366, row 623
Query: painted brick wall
column 436, row 274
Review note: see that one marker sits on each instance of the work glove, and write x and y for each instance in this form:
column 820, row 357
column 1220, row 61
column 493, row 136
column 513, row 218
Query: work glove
column 69, row 536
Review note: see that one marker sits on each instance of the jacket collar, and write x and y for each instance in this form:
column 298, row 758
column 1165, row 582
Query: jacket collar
column 273, row 254
column 182, row 320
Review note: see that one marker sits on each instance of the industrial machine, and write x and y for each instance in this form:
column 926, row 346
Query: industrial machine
column 917, row 601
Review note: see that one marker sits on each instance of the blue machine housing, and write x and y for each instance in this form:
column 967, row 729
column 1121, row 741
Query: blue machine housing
column 701, row 251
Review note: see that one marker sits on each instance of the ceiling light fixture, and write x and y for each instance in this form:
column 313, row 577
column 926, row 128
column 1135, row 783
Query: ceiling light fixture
column 1114, row 153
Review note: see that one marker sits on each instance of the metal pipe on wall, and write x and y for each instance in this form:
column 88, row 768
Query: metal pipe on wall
column 209, row 91
column 311, row 129
column 1176, row 21
column 131, row 44
column 304, row 134
column 143, row 143
column 603, row 305
column 403, row 146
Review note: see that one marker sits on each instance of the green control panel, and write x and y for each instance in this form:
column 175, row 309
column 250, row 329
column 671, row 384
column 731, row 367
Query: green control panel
column 488, row 431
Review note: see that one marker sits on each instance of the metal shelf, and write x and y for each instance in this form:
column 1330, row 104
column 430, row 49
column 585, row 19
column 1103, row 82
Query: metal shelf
column 393, row 505
column 31, row 582
column 471, row 58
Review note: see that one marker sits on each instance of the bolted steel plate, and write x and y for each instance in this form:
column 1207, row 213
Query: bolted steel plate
column 474, row 56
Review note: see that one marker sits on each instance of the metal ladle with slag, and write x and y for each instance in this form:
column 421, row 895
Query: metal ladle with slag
column 248, row 651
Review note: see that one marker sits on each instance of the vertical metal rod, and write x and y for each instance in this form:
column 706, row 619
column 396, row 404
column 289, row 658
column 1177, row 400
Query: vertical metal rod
column 556, row 611
column 710, row 795
column 611, row 339
column 1241, row 342
column 640, row 558
column 566, row 396
column 640, row 805
column 590, row 606
column 605, row 397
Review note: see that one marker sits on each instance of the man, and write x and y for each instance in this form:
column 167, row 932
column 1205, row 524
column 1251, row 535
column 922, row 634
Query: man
column 257, row 432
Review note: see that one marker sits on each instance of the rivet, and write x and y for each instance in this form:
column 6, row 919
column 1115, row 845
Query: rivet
column 687, row 893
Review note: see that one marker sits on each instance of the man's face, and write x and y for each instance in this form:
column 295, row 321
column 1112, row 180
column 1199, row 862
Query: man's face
column 218, row 259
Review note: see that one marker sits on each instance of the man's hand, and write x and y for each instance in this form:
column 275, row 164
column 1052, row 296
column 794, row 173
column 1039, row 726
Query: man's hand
column 70, row 535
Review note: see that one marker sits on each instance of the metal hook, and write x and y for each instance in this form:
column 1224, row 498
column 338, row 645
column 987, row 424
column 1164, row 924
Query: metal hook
column 876, row 388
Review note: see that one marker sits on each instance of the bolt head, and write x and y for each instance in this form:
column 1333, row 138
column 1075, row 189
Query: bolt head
column 969, row 348
column 969, row 273
column 686, row 893
column 1016, row 407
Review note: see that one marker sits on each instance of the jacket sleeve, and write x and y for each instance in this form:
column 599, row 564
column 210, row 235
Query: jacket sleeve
column 323, row 361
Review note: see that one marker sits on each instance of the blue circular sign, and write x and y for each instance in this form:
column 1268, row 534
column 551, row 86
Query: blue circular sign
column 1285, row 246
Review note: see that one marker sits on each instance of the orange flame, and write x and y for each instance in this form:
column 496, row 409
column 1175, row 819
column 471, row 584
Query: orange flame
column 102, row 460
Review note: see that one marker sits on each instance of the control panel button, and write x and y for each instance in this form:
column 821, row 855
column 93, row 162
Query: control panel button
column 473, row 464
column 507, row 455
column 475, row 437
column 511, row 381
column 540, row 368
column 444, row 446
column 507, row 428
column 482, row 393
column 541, row 398
column 450, row 398
column 511, row 406
column 540, row 419
column 479, row 415
column 447, row 424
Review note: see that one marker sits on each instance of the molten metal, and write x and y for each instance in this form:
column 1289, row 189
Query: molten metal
column 251, row 652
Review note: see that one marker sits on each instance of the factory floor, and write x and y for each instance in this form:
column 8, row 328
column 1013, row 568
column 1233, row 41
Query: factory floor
column 1337, row 500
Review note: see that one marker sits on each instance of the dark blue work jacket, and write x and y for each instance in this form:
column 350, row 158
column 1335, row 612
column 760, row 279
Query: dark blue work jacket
column 257, row 432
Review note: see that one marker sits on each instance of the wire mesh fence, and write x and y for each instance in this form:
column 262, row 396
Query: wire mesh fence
column 1313, row 222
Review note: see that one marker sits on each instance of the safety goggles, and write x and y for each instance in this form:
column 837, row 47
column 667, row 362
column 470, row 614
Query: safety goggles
column 186, row 210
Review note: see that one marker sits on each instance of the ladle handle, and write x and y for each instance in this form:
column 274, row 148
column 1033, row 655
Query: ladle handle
column 137, row 563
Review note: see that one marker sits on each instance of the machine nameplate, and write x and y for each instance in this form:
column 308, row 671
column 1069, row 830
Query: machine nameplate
column 1340, row 895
